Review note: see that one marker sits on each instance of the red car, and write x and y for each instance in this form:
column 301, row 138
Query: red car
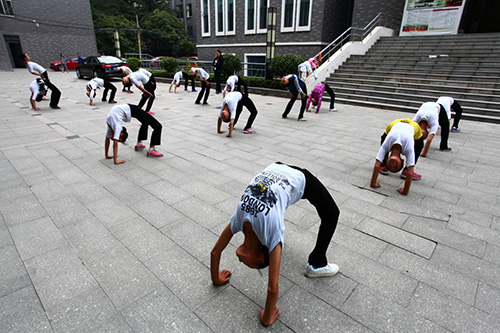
column 71, row 63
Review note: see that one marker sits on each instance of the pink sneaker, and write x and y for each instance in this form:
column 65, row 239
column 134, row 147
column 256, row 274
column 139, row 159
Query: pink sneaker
column 416, row 176
column 154, row 153
column 249, row 131
column 383, row 170
column 151, row 112
column 139, row 146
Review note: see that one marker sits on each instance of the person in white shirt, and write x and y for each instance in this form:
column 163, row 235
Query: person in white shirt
column 427, row 116
column 448, row 104
column 126, row 86
column 231, row 82
column 260, row 217
column 176, row 82
column 38, row 70
column 38, row 90
column 232, row 106
column 400, row 139
column 97, row 83
column 204, row 78
column 116, row 132
column 145, row 81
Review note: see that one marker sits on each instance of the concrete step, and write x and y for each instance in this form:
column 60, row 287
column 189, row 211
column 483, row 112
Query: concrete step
column 421, row 68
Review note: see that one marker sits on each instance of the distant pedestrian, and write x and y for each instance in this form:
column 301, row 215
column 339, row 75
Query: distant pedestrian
column 97, row 83
column 145, row 81
column 80, row 59
column 38, row 70
column 296, row 86
column 204, row 78
column 317, row 96
column 63, row 67
column 218, row 64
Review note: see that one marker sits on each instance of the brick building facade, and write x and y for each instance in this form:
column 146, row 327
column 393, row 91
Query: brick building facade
column 44, row 31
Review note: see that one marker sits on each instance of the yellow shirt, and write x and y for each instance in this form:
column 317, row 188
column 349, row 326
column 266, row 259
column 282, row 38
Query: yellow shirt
column 417, row 133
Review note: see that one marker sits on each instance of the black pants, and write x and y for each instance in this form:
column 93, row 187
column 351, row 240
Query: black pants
column 246, row 102
column 150, row 87
column 147, row 120
column 317, row 194
column 127, row 86
column 187, row 77
column 417, row 148
column 292, row 101
column 55, row 94
column 445, row 127
column 108, row 86
column 205, row 89
column 240, row 83
column 218, row 88
column 458, row 113
column 331, row 94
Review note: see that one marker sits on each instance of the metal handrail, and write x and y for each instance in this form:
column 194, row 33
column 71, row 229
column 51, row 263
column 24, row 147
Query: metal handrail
column 358, row 34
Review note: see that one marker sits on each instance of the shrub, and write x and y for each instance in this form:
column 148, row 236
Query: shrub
column 232, row 64
column 285, row 64
column 169, row 64
column 134, row 63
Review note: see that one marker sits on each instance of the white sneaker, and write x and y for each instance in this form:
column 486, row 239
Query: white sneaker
column 333, row 110
column 328, row 270
column 302, row 119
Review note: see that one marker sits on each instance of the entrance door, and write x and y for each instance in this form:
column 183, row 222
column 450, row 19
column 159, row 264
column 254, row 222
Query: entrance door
column 14, row 49
column 481, row 16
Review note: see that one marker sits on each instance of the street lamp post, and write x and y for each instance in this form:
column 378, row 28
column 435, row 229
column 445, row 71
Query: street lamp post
column 270, row 39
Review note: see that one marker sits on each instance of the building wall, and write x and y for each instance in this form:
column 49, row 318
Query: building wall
column 65, row 26
column 366, row 10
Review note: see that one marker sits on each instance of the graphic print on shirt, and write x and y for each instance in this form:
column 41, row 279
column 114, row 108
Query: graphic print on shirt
column 258, row 197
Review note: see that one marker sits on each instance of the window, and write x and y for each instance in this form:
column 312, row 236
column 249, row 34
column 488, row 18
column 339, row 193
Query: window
column 256, row 16
column 6, row 8
column 225, row 17
column 255, row 65
column 296, row 15
column 205, row 18
column 180, row 12
column 189, row 10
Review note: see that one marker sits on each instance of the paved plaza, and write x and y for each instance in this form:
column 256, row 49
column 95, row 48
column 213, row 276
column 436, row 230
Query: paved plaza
column 89, row 246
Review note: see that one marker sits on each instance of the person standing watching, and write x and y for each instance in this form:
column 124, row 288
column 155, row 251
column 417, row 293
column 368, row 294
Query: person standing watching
column 218, row 63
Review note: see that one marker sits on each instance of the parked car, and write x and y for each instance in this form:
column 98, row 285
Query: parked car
column 71, row 63
column 102, row 66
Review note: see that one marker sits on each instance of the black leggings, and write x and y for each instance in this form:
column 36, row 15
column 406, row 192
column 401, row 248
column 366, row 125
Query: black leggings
column 445, row 128
column 108, row 86
column 150, row 87
column 187, row 77
column 146, row 120
column 246, row 102
column 55, row 94
column 458, row 113
column 292, row 101
column 332, row 95
column 317, row 194
column 205, row 89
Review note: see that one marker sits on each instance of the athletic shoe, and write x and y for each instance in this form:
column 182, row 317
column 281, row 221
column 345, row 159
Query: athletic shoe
column 197, row 103
column 124, row 91
column 150, row 112
column 139, row 147
column 154, row 153
column 194, row 90
column 103, row 100
column 283, row 117
column 185, row 89
column 455, row 129
column 445, row 149
column 383, row 170
column 130, row 92
column 112, row 102
column 302, row 119
column 55, row 107
column 328, row 270
column 416, row 176
column 333, row 110
column 249, row 131
column 205, row 103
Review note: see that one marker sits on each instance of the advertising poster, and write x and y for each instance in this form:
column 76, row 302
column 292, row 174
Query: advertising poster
column 431, row 17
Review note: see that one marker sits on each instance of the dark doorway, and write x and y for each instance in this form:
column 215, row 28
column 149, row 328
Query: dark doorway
column 14, row 49
column 481, row 16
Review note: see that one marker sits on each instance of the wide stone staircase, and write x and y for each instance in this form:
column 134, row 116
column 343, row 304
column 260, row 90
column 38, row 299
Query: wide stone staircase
column 400, row 73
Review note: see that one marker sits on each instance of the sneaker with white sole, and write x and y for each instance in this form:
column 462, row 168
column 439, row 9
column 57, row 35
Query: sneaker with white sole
column 302, row 119
column 326, row 271
column 249, row 131
column 383, row 170
column 154, row 153
column 416, row 176
column 139, row 147
column 333, row 110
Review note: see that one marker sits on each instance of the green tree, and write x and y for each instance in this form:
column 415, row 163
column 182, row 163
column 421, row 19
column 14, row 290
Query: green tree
column 104, row 28
column 285, row 64
column 232, row 65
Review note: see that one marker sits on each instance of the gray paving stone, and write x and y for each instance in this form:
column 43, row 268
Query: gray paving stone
column 13, row 275
column 50, row 190
column 467, row 264
column 22, row 312
column 142, row 239
column 492, row 254
column 156, row 212
column 161, row 311
column 400, row 238
column 440, row 232
column 360, row 242
column 111, row 212
column 392, row 217
column 206, row 192
column 59, row 275
column 91, row 311
column 200, row 212
column 382, row 315
column 488, row 298
column 476, row 231
column 449, row 312
column 22, row 209
column 122, row 276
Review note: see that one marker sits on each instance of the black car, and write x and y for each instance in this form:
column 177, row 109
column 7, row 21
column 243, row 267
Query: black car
column 104, row 67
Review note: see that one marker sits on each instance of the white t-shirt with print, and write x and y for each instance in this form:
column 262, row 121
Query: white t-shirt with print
column 116, row 117
column 428, row 111
column 231, row 100
column 265, row 200
column 33, row 67
column 402, row 134
column 446, row 102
